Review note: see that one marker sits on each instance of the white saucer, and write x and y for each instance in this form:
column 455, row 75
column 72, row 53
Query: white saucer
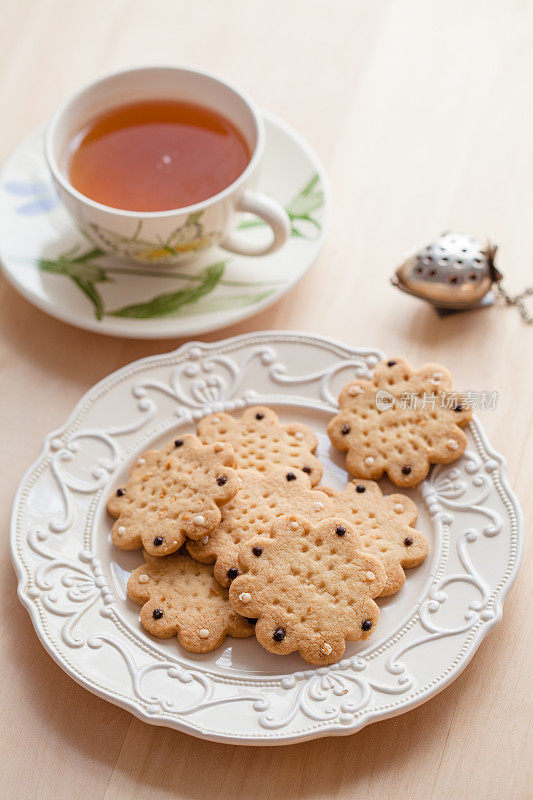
column 50, row 262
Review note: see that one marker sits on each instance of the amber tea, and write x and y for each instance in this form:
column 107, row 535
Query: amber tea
column 156, row 155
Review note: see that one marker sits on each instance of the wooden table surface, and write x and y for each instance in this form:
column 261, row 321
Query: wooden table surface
column 422, row 114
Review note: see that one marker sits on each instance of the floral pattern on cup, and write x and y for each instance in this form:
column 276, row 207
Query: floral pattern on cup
column 187, row 238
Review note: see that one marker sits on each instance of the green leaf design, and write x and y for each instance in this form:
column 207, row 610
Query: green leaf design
column 301, row 208
column 309, row 199
column 183, row 276
column 170, row 303
column 84, row 271
column 84, row 274
column 251, row 223
column 221, row 303
column 90, row 291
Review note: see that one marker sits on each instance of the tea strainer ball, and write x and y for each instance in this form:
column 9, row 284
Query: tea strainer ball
column 454, row 271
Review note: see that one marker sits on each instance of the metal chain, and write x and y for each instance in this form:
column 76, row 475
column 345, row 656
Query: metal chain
column 517, row 300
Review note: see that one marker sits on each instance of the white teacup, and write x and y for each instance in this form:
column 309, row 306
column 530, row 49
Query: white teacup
column 179, row 234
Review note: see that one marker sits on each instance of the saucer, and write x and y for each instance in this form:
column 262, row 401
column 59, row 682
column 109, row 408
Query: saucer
column 54, row 266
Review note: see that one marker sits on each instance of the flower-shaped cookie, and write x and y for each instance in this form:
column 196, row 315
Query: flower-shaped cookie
column 309, row 587
column 400, row 422
column 180, row 597
column 384, row 523
column 172, row 494
column 262, row 497
column 260, row 440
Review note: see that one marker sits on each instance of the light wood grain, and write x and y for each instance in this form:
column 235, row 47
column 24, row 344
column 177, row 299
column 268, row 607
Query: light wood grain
column 422, row 114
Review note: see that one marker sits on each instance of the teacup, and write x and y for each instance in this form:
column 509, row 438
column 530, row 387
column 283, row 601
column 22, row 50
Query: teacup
column 179, row 234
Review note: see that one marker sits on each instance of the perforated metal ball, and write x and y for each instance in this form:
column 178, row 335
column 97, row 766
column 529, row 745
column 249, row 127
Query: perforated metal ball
column 453, row 271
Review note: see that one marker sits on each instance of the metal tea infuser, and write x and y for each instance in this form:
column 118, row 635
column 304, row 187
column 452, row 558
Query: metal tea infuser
column 457, row 272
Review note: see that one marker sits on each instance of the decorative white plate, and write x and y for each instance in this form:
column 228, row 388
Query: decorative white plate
column 50, row 262
column 72, row 580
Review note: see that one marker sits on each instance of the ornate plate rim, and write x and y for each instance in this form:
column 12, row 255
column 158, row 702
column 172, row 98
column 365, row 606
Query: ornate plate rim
column 273, row 737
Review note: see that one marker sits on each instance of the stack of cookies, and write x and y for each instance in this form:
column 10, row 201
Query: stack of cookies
column 239, row 540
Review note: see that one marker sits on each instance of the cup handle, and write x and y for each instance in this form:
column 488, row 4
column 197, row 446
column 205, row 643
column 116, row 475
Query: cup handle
column 272, row 213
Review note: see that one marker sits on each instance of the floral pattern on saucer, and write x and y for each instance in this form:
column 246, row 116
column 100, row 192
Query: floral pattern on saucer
column 84, row 270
